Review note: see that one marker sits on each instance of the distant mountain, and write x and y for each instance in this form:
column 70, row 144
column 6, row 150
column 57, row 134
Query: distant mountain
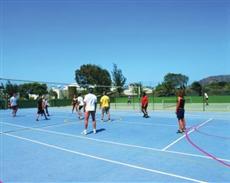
column 215, row 79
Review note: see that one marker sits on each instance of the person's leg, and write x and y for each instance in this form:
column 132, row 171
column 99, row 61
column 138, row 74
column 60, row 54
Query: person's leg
column 77, row 108
column 102, row 113
column 47, row 112
column 94, row 121
column 13, row 112
column 86, row 123
column 43, row 112
column 146, row 113
column 180, row 123
column 16, row 109
column 183, row 124
column 183, row 121
column 79, row 112
column 108, row 113
column 73, row 108
column 37, row 116
column 86, row 120
column 143, row 110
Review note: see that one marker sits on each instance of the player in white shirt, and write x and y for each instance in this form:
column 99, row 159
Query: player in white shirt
column 14, row 104
column 80, row 101
column 90, row 105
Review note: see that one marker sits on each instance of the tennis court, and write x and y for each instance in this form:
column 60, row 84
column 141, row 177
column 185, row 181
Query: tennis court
column 130, row 148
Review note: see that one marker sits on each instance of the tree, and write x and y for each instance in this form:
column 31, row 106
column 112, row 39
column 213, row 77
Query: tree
column 164, row 89
column 118, row 78
column 196, row 86
column 176, row 80
column 72, row 90
column 32, row 88
column 53, row 94
column 93, row 75
column 10, row 88
column 170, row 84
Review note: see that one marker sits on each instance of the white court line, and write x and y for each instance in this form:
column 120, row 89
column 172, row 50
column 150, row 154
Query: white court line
column 107, row 160
column 147, row 124
column 112, row 142
column 81, row 137
column 179, row 139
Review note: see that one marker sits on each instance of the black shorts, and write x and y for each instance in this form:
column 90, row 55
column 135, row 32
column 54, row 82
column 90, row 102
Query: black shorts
column 40, row 111
column 144, row 107
column 15, row 107
column 105, row 110
column 180, row 114
column 92, row 113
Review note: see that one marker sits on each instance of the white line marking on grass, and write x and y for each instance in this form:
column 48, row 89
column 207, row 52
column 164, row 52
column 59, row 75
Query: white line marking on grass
column 107, row 160
column 179, row 139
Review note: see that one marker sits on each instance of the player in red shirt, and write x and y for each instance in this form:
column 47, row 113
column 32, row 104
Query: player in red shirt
column 144, row 105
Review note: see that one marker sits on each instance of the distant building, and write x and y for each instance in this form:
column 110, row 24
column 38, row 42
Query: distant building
column 130, row 91
column 148, row 90
column 63, row 91
column 135, row 91
column 33, row 96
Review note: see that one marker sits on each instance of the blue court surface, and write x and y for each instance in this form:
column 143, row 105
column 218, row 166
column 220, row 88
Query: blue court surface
column 130, row 148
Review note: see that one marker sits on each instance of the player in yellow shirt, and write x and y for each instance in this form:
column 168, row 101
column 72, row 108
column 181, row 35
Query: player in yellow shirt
column 105, row 106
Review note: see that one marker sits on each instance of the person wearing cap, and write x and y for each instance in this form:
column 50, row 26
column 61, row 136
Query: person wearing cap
column 90, row 105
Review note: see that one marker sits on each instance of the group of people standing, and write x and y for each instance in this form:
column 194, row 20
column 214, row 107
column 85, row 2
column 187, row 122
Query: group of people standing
column 89, row 106
column 42, row 105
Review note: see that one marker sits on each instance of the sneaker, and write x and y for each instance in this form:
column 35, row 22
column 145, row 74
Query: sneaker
column 84, row 132
column 102, row 120
column 94, row 131
column 36, row 119
column 179, row 131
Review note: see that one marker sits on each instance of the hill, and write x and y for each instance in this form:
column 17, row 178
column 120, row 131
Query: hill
column 215, row 79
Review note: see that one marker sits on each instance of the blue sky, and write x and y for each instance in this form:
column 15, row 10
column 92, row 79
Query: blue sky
column 48, row 40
